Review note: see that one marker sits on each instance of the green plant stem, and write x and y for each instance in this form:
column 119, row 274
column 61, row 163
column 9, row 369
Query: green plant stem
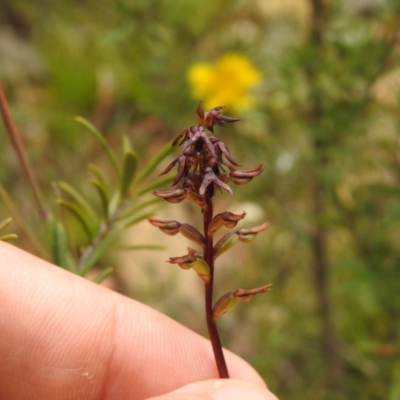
column 211, row 324
column 16, row 141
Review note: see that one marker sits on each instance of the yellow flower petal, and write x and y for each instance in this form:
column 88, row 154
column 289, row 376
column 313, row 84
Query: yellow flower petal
column 226, row 82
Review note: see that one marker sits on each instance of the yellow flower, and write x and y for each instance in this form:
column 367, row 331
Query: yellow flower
column 227, row 82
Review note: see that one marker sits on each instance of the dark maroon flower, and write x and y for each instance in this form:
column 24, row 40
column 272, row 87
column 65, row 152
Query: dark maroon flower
column 213, row 117
column 209, row 178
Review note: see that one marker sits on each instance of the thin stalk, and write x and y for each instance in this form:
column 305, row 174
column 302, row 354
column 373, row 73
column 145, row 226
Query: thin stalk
column 20, row 221
column 211, row 324
column 17, row 143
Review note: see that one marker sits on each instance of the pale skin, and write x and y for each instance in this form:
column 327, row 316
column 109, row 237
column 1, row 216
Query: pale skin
column 63, row 337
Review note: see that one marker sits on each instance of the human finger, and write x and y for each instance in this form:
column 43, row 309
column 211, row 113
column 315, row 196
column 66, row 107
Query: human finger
column 63, row 334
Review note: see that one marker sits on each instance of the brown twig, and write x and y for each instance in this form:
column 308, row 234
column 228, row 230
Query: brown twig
column 16, row 141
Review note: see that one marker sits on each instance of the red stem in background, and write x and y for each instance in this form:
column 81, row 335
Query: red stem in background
column 16, row 141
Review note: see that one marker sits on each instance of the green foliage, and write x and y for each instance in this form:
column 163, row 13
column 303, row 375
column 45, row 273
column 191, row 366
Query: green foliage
column 9, row 236
column 122, row 205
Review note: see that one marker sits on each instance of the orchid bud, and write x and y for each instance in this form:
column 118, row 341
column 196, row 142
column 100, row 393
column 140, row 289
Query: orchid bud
column 248, row 234
column 240, row 177
column 185, row 262
column 174, row 195
column 225, row 303
column 225, row 243
column 202, row 269
column 171, row 228
column 195, row 198
column 191, row 233
column 244, row 296
column 227, row 219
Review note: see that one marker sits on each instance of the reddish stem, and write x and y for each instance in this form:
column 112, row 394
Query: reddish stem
column 16, row 141
column 211, row 324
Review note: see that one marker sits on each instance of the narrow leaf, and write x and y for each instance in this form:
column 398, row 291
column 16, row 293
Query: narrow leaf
column 99, row 176
column 103, row 142
column 128, row 171
column 100, row 189
column 135, row 247
column 134, row 219
column 95, row 252
column 103, row 275
column 140, row 206
column 8, row 237
column 153, row 163
column 80, row 200
column 80, row 215
column 114, row 203
column 59, row 245
column 5, row 223
column 164, row 181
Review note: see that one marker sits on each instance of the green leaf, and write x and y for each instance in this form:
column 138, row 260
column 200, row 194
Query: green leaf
column 126, row 144
column 80, row 215
column 8, row 237
column 99, row 175
column 100, row 138
column 94, row 253
column 101, row 191
column 114, row 203
column 138, row 207
column 135, row 247
column 5, row 223
column 103, row 275
column 128, row 171
column 80, row 200
column 134, row 219
column 165, row 180
column 59, row 245
column 153, row 163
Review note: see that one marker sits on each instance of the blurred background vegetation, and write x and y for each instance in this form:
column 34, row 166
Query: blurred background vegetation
column 324, row 119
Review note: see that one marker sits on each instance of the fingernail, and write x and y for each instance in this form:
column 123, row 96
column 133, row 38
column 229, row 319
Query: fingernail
column 240, row 392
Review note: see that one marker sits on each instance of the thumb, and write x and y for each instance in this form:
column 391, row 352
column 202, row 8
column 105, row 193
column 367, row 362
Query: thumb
column 219, row 389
